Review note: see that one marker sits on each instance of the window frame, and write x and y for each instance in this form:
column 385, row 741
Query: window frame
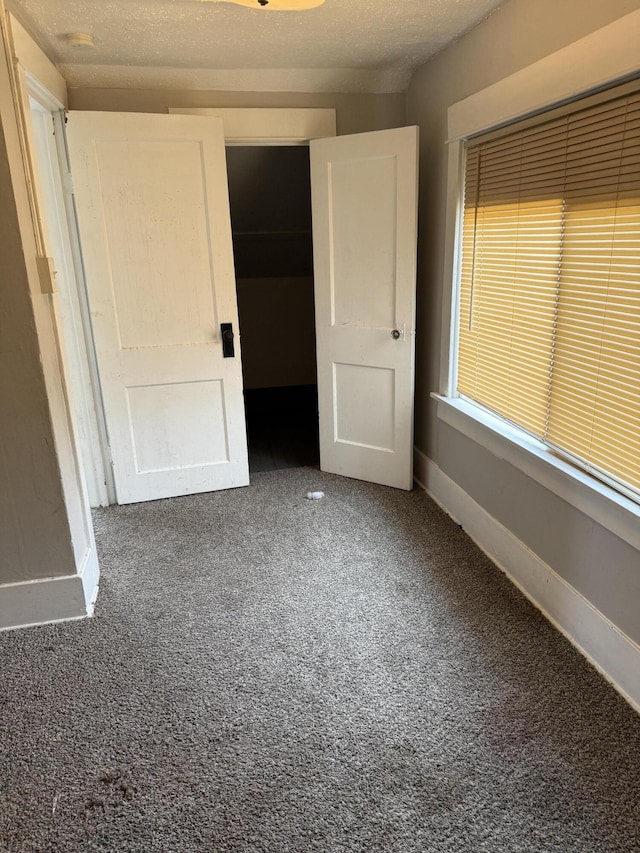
column 601, row 60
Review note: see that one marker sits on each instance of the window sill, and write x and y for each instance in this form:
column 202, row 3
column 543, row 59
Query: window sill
column 611, row 510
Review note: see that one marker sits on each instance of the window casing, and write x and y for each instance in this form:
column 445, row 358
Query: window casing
column 549, row 311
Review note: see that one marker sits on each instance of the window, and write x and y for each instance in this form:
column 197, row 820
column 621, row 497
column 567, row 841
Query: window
column 549, row 315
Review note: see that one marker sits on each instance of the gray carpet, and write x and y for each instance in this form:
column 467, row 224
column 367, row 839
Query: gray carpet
column 267, row 673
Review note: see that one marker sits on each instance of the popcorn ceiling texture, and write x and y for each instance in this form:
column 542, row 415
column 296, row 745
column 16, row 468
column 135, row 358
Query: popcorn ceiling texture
column 371, row 35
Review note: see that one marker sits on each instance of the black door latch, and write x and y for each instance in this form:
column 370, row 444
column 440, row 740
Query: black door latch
column 226, row 331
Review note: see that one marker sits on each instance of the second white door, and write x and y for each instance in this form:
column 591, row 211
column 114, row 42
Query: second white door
column 364, row 201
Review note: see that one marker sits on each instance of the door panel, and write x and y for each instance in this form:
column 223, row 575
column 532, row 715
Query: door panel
column 153, row 213
column 154, row 309
column 359, row 390
column 363, row 208
column 364, row 198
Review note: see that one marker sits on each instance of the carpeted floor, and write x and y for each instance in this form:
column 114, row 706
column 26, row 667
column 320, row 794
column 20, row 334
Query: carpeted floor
column 267, row 673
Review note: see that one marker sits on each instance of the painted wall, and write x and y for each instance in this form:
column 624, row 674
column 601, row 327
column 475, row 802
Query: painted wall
column 603, row 568
column 278, row 331
column 48, row 562
column 354, row 113
column 35, row 540
column 35, row 537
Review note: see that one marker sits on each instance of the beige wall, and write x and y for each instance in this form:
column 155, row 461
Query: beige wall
column 354, row 113
column 35, row 540
column 600, row 566
column 48, row 563
column 35, row 537
column 278, row 334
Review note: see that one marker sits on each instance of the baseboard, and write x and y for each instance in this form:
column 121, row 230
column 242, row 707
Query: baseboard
column 612, row 653
column 90, row 574
column 46, row 600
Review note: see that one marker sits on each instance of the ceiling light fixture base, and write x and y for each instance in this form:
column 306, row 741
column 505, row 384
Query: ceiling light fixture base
column 79, row 39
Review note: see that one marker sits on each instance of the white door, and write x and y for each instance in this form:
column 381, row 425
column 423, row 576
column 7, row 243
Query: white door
column 364, row 201
column 153, row 215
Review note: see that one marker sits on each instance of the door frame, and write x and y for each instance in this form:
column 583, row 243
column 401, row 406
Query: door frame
column 269, row 125
column 74, row 326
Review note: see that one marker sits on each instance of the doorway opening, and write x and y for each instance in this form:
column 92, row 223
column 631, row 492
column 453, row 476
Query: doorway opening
column 270, row 202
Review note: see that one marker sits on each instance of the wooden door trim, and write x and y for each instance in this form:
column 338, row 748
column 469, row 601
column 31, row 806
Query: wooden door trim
column 269, row 126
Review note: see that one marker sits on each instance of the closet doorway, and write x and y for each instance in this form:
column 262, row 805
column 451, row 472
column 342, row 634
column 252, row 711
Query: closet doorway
column 270, row 201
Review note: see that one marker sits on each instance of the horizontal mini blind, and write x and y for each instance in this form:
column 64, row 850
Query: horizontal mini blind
column 549, row 333
column 511, row 255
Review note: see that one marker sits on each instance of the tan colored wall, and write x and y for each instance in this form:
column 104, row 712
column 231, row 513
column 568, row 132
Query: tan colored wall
column 602, row 567
column 34, row 531
column 35, row 537
column 354, row 113
column 278, row 334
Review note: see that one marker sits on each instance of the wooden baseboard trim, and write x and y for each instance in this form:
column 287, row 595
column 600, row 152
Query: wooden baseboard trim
column 46, row 600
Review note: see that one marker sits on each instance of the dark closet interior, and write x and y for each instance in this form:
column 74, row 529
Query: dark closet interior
column 270, row 199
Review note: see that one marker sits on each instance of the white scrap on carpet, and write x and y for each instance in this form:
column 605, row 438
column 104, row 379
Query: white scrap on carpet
column 315, row 496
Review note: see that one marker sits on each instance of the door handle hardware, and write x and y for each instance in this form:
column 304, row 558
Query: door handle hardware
column 395, row 334
column 226, row 331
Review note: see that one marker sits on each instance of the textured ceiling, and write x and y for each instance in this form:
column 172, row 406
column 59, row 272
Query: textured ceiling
column 379, row 36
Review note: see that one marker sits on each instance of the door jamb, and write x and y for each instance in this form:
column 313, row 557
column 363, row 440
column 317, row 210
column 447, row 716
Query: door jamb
column 80, row 345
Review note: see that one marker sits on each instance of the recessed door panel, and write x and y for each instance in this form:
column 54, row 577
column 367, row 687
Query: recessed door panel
column 364, row 412
column 363, row 241
column 162, row 297
column 161, row 417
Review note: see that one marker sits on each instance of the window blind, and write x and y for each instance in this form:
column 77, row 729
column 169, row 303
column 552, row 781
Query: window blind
column 549, row 333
